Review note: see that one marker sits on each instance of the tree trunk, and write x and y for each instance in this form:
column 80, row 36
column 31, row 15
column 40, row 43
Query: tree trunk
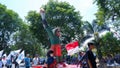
column 101, row 64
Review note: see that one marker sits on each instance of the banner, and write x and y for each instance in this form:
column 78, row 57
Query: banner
column 72, row 47
column 9, row 56
column 15, row 52
column 21, row 56
column 5, row 55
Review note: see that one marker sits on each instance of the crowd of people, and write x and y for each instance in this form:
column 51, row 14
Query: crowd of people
column 111, row 60
column 43, row 61
column 54, row 55
column 47, row 62
column 51, row 60
column 7, row 62
column 27, row 61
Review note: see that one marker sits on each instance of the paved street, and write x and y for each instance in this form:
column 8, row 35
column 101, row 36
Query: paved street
column 20, row 66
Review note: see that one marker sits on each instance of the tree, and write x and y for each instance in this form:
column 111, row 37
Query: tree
column 93, row 29
column 36, row 27
column 109, row 13
column 9, row 24
column 110, row 8
column 28, row 42
column 57, row 14
column 64, row 15
column 109, row 44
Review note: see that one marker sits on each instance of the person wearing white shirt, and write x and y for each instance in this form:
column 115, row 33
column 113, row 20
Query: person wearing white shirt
column 36, row 60
column 4, row 61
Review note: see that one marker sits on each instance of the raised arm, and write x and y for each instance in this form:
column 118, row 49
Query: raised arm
column 44, row 22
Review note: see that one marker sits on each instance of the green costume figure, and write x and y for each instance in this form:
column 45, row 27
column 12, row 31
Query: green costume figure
column 54, row 37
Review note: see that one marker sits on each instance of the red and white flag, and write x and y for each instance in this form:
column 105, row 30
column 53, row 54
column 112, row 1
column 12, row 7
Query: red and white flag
column 72, row 47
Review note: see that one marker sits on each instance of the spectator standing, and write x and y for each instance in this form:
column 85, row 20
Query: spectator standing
column 4, row 61
column 80, row 55
column 16, row 64
column 9, row 62
column 1, row 64
column 51, row 62
column 27, row 61
column 110, row 59
column 68, row 59
column 36, row 60
column 90, row 56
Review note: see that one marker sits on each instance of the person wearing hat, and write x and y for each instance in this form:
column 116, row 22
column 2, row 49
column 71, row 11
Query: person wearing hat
column 54, row 37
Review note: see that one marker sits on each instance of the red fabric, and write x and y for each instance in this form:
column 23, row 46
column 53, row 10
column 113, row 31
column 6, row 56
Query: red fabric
column 53, row 65
column 38, row 66
column 72, row 45
column 57, row 49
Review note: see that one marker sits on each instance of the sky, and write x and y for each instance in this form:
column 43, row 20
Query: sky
column 86, row 7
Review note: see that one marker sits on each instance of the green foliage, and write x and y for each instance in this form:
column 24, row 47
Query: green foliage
column 94, row 29
column 110, row 9
column 63, row 15
column 57, row 14
column 26, row 41
column 36, row 27
column 9, row 24
column 100, row 15
column 109, row 13
column 109, row 44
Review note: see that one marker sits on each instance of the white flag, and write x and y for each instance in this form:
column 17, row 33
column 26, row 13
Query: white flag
column 1, row 52
column 5, row 55
column 21, row 56
column 9, row 56
column 15, row 52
